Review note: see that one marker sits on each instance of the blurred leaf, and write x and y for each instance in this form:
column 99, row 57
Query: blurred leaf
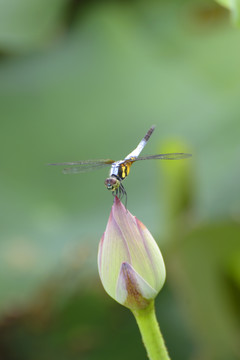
column 26, row 24
column 200, row 272
column 177, row 201
column 87, row 324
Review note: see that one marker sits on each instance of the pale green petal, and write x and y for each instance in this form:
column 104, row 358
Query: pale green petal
column 113, row 251
column 132, row 290
column 157, row 272
column 144, row 252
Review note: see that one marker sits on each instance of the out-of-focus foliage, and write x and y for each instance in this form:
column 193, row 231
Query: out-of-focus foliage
column 202, row 265
column 27, row 24
column 83, row 80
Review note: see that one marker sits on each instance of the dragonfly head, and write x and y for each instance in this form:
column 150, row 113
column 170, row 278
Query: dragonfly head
column 112, row 183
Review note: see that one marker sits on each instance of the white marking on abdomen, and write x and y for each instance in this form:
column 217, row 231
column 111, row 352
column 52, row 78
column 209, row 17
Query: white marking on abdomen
column 137, row 151
column 139, row 148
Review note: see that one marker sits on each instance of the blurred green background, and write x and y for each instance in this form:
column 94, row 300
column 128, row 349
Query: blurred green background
column 85, row 80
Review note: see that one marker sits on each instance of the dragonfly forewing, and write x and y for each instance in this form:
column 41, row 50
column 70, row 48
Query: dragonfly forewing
column 170, row 156
column 84, row 166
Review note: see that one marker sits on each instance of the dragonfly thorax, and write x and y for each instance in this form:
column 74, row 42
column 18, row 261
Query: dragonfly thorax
column 120, row 169
column 112, row 183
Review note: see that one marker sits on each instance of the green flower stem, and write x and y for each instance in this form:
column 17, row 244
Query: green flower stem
column 151, row 334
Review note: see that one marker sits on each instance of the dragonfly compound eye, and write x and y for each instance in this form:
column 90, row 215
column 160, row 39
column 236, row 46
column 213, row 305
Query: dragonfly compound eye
column 111, row 183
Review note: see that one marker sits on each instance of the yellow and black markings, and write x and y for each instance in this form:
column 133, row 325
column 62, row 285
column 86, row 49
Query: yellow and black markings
column 124, row 169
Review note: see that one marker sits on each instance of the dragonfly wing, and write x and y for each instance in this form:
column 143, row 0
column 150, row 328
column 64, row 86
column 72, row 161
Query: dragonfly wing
column 170, row 156
column 86, row 162
column 84, row 166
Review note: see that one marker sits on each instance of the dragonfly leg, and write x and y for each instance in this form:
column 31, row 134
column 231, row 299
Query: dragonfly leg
column 123, row 193
column 115, row 192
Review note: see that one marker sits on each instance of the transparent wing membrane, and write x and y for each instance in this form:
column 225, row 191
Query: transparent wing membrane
column 170, row 156
column 84, row 166
column 86, row 162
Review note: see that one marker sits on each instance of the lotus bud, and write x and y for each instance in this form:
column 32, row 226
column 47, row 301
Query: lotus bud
column 130, row 263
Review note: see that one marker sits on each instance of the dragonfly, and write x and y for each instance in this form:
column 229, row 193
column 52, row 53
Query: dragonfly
column 120, row 169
